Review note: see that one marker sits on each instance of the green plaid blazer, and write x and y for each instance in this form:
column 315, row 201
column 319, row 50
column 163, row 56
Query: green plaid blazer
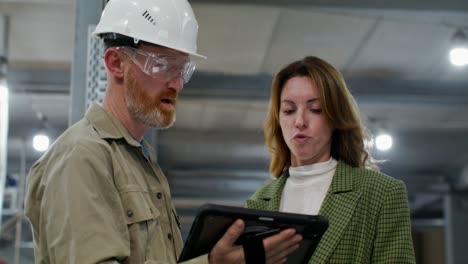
column 369, row 219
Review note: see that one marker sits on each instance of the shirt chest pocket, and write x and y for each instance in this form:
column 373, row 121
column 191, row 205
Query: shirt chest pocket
column 143, row 222
column 137, row 208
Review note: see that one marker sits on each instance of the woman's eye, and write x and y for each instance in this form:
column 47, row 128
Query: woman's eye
column 288, row 111
column 316, row 110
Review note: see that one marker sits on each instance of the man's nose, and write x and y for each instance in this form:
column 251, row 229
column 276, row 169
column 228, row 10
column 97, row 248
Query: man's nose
column 176, row 83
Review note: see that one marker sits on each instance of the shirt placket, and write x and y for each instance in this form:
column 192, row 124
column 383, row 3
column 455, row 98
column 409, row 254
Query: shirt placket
column 163, row 197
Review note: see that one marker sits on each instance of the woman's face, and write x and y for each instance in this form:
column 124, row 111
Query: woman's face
column 306, row 130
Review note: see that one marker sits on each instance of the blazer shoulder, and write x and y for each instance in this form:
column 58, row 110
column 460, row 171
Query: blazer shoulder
column 367, row 179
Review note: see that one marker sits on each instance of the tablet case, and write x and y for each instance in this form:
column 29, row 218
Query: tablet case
column 212, row 221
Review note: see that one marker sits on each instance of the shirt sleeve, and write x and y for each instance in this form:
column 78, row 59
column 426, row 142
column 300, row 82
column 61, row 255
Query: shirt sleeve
column 393, row 242
column 82, row 217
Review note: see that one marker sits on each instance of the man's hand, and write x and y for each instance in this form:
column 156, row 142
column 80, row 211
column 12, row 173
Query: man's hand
column 277, row 247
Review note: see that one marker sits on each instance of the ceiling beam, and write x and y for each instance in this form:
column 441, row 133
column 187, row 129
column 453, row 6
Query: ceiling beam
column 217, row 85
column 55, row 2
column 245, row 87
column 433, row 5
column 39, row 81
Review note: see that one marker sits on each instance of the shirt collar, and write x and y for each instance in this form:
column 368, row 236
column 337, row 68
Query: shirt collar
column 107, row 126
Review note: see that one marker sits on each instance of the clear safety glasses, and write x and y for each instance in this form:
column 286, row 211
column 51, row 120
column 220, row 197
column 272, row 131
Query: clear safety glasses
column 164, row 67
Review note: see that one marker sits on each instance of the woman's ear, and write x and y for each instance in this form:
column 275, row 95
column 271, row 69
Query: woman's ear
column 114, row 63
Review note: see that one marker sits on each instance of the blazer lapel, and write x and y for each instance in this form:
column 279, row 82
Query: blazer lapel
column 269, row 199
column 338, row 206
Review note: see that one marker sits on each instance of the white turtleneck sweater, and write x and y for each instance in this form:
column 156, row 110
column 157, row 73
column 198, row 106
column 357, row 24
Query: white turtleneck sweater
column 306, row 187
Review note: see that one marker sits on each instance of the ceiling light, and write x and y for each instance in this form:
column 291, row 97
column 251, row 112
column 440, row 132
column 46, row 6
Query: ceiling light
column 459, row 53
column 383, row 142
column 459, row 56
column 41, row 142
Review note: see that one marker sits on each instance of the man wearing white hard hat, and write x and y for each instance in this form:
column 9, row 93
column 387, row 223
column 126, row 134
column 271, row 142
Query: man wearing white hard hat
column 98, row 195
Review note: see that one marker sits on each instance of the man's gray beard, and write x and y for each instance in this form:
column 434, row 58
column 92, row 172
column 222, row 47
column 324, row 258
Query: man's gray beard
column 153, row 118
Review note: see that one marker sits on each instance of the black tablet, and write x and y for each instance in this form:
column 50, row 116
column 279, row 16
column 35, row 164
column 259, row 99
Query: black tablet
column 212, row 221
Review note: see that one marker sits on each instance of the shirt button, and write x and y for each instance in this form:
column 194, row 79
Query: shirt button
column 129, row 213
column 169, row 235
column 159, row 195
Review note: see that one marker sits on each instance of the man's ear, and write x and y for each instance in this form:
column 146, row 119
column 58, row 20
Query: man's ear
column 114, row 63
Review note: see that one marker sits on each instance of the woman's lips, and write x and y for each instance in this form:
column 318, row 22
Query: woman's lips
column 300, row 138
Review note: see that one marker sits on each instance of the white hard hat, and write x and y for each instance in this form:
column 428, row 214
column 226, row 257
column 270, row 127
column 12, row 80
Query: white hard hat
column 168, row 23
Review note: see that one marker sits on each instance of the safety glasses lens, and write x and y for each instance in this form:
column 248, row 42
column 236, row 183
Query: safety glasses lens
column 163, row 66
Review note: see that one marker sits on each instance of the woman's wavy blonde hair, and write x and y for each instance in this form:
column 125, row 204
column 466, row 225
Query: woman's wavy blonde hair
column 337, row 104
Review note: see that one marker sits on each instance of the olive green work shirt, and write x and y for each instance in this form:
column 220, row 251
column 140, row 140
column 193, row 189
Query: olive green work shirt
column 94, row 197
